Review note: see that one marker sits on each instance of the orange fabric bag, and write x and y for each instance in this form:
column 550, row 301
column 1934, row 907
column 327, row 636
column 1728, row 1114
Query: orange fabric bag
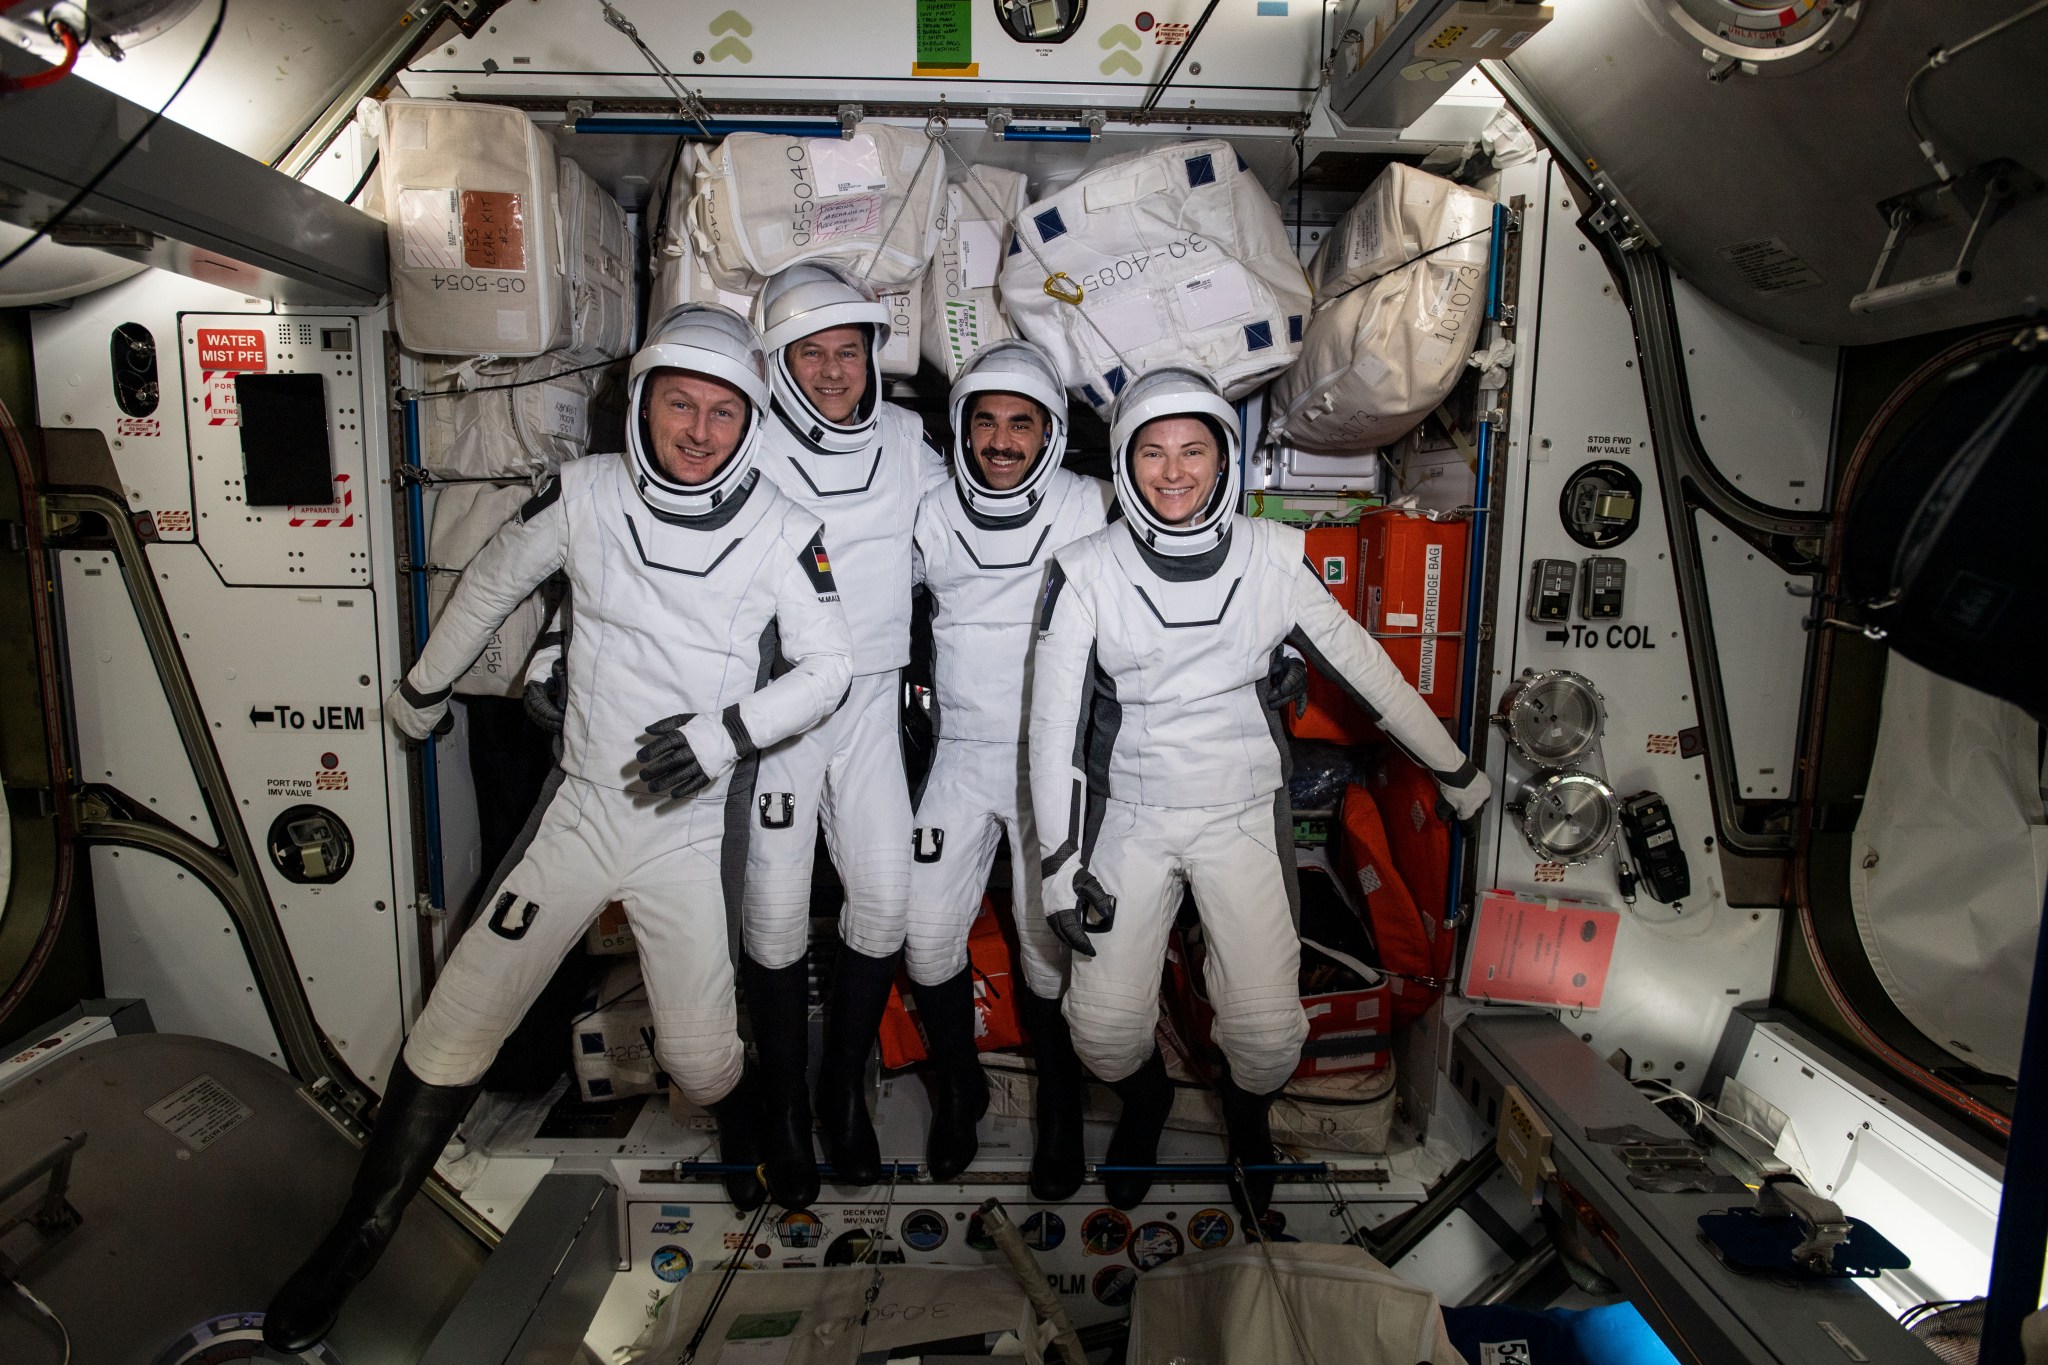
column 996, row 1020
column 1414, row 946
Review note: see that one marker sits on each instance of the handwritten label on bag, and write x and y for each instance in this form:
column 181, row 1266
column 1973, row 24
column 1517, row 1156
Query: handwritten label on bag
column 493, row 231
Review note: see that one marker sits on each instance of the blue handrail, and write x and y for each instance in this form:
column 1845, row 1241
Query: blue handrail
column 712, row 128
column 1013, row 133
column 416, row 552
column 1475, row 575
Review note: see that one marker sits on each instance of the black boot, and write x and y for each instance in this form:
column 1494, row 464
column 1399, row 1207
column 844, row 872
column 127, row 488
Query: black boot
column 1247, row 1126
column 1147, row 1096
column 778, row 1004
column 413, row 1125
column 739, row 1140
column 860, row 992
column 959, row 1090
column 1058, row 1162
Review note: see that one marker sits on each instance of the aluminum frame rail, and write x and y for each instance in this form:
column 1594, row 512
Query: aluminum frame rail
column 1687, row 477
column 179, row 200
column 230, row 871
column 1648, row 1241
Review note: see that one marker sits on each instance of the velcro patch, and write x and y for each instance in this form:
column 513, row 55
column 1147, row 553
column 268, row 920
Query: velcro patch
column 512, row 917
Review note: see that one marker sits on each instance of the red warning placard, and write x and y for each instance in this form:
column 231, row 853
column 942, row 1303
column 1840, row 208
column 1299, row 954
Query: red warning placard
column 232, row 350
column 1533, row 952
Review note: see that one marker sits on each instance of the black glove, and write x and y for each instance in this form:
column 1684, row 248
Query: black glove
column 1095, row 913
column 1287, row 683
column 668, row 765
column 545, row 697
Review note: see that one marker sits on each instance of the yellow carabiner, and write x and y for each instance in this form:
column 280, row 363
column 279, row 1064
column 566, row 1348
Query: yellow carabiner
column 1069, row 292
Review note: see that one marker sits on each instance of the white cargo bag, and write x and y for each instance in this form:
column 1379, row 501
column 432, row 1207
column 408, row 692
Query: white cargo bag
column 871, row 202
column 477, row 266
column 600, row 269
column 1285, row 1302
column 466, row 516
column 504, row 432
column 611, row 1039
column 1400, row 296
column 1180, row 257
column 906, row 326
column 1349, row 1112
column 961, row 311
column 682, row 271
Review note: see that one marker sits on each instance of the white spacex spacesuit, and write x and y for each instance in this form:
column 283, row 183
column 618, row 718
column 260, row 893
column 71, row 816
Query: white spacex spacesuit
column 679, row 587
column 679, row 590
column 983, row 552
column 1169, row 633
column 983, row 556
column 863, row 478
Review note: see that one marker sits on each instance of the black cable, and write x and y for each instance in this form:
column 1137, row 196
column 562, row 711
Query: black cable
column 130, row 145
column 1300, row 174
column 368, row 171
column 423, row 394
column 732, row 1268
column 1174, row 66
column 1419, row 256
column 668, row 183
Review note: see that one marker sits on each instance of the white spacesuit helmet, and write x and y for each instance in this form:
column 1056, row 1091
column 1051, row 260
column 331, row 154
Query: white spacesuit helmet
column 1174, row 391
column 1022, row 368
column 706, row 339
column 811, row 297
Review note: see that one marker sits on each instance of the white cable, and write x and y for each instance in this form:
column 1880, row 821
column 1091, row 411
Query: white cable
column 47, row 1312
column 1940, row 58
column 931, row 138
column 1702, row 1109
column 1243, row 1182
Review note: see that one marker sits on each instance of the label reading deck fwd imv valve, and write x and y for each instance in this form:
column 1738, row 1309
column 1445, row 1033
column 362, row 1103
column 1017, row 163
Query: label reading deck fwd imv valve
column 945, row 32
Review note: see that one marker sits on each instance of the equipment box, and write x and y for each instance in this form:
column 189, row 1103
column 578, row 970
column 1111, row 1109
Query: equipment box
column 1414, row 591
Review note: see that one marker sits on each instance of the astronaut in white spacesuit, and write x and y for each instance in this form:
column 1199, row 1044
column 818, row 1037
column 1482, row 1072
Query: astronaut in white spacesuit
column 684, row 562
column 984, row 543
column 1169, row 626
column 860, row 465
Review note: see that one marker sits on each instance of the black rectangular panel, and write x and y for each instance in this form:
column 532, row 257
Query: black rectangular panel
column 286, row 459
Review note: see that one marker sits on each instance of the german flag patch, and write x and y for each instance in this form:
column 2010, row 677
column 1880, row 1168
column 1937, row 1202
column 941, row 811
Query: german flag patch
column 818, row 566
